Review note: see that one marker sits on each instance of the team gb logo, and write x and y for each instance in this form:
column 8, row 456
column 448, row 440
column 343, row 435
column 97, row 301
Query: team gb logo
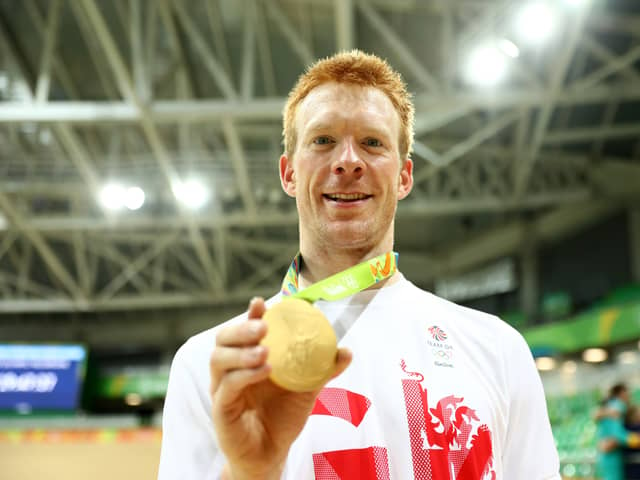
column 437, row 333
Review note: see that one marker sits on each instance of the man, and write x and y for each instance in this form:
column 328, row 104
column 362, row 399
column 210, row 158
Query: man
column 421, row 388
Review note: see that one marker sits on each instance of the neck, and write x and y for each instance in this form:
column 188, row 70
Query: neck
column 318, row 264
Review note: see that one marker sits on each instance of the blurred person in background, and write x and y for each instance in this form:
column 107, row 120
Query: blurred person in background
column 611, row 434
column 632, row 455
column 421, row 388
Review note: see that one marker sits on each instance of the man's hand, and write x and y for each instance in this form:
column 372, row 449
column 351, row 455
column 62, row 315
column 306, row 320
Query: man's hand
column 255, row 420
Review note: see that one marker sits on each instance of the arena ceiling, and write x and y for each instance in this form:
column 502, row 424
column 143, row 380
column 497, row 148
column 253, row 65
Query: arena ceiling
column 148, row 93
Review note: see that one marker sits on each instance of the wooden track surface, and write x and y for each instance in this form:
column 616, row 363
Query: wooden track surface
column 79, row 461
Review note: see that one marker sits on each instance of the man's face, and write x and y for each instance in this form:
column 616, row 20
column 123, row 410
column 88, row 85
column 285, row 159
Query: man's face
column 346, row 174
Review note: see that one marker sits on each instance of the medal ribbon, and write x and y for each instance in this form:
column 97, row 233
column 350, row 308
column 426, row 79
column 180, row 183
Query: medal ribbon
column 342, row 284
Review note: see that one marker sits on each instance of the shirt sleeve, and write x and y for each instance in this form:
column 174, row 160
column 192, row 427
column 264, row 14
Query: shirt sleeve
column 189, row 449
column 530, row 451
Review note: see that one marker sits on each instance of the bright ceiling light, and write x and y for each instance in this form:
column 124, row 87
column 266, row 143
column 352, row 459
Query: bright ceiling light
column 486, row 66
column 575, row 3
column 112, row 196
column 191, row 193
column 134, row 198
column 545, row 364
column 594, row 355
column 509, row 48
column 535, row 22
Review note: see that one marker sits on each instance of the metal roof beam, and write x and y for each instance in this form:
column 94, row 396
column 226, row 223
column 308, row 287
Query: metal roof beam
column 64, row 132
column 623, row 62
column 139, row 64
column 482, row 202
column 214, row 16
column 153, row 137
column 508, row 239
column 239, row 165
column 465, row 146
column 49, row 40
column 298, row 45
column 408, row 59
column 524, row 165
column 617, row 23
column 345, row 24
column 55, row 266
column 132, row 269
column 605, row 55
column 247, row 80
column 450, row 107
column 588, row 134
column 264, row 51
column 211, row 63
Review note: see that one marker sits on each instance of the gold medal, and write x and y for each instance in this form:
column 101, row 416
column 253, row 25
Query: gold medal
column 302, row 345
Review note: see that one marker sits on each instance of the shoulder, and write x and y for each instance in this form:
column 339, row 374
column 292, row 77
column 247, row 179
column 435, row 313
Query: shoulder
column 618, row 405
column 475, row 322
column 493, row 326
column 190, row 365
column 490, row 341
column 196, row 351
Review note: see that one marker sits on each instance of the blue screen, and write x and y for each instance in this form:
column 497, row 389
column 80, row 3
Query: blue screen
column 41, row 377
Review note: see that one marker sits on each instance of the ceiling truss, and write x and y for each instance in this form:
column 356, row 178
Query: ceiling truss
column 157, row 91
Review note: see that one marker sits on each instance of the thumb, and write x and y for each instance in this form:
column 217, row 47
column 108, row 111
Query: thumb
column 343, row 360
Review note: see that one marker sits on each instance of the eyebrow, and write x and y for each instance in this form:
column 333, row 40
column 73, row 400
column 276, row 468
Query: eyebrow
column 318, row 126
column 376, row 132
column 314, row 128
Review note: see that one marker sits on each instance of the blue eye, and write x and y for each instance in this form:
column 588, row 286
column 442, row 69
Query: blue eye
column 324, row 140
column 373, row 142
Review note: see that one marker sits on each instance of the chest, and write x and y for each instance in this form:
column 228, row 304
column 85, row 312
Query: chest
column 415, row 403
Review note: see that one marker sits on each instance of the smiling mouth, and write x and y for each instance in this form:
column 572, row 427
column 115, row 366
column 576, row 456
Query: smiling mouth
column 346, row 197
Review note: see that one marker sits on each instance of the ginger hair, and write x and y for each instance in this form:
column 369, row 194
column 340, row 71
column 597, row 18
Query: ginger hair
column 357, row 68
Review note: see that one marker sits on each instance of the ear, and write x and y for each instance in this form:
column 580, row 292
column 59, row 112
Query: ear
column 287, row 176
column 405, row 182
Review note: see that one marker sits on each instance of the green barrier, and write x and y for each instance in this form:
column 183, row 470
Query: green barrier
column 625, row 294
column 147, row 385
column 600, row 327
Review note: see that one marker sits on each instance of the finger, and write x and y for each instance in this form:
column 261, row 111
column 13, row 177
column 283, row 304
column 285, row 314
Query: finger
column 241, row 334
column 233, row 384
column 256, row 308
column 225, row 359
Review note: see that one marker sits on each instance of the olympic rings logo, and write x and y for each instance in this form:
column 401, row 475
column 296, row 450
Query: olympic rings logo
column 442, row 354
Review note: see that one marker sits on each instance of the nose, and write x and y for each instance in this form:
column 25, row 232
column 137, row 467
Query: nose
column 348, row 160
